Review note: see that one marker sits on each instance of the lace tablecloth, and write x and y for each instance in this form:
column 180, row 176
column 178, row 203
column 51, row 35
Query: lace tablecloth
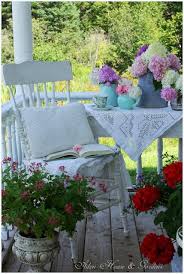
column 134, row 130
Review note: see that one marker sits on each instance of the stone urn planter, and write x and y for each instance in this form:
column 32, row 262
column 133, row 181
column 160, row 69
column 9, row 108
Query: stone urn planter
column 35, row 252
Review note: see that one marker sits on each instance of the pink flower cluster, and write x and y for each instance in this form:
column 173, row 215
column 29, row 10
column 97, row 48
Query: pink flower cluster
column 39, row 185
column 25, row 195
column 168, row 94
column 122, row 89
column 139, row 67
column 53, row 221
column 173, row 62
column 158, row 66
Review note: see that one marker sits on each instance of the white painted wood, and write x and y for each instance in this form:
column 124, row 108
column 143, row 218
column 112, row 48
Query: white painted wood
column 159, row 155
column 23, row 96
column 31, row 100
column 38, row 101
column 180, row 149
column 139, row 168
column 3, row 143
column 19, row 149
column 37, row 72
column 22, row 33
column 14, row 143
column 46, row 95
column 68, row 91
column 53, row 101
column 9, row 139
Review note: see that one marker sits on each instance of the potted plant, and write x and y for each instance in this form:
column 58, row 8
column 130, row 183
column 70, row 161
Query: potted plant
column 128, row 95
column 156, row 69
column 108, row 80
column 38, row 203
column 165, row 191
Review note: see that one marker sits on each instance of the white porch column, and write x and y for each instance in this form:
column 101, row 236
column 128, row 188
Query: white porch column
column 22, row 31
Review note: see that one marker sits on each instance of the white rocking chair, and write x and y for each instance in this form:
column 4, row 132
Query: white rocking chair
column 27, row 77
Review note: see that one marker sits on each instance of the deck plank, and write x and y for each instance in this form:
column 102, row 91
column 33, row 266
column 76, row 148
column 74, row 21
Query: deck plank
column 126, row 253
column 98, row 249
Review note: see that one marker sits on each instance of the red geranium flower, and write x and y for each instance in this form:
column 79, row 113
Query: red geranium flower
column 68, row 208
column 173, row 174
column 158, row 249
column 145, row 198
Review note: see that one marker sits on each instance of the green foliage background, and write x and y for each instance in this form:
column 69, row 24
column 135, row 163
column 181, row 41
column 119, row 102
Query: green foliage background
column 93, row 33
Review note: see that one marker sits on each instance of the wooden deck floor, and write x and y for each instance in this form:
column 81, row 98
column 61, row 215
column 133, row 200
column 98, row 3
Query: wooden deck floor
column 102, row 246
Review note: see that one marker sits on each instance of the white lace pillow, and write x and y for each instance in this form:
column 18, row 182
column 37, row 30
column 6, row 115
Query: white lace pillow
column 53, row 129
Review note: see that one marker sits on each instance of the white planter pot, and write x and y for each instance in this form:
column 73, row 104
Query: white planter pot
column 35, row 252
column 176, row 263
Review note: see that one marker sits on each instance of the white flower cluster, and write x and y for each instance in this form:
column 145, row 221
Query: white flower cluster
column 179, row 83
column 135, row 92
column 154, row 49
column 125, row 82
column 170, row 78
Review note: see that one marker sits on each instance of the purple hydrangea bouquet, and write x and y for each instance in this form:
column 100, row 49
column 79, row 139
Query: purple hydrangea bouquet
column 107, row 79
column 153, row 62
column 108, row 76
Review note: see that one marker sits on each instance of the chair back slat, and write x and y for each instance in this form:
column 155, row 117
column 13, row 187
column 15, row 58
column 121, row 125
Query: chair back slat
column 38, row 101
column 23, row 96
column 30, row 89
column 53, row 101
column 46, row 95
column 31, row 72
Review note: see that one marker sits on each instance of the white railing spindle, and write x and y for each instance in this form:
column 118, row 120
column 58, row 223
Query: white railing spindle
column 14, row 143
column 19, row 149
column 3, row 144
column 9, row 139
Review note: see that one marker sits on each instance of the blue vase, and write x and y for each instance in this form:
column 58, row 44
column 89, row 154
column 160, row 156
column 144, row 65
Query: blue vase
column 150, row 97
column 126, row 102
column 110, row 92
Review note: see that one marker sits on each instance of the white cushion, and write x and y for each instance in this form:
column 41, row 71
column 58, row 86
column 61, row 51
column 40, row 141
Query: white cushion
column 53, row 129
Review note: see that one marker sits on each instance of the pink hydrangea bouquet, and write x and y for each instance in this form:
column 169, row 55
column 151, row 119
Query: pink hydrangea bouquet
column 164, row 67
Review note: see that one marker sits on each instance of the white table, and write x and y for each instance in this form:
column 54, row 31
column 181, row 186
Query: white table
column 170, row 127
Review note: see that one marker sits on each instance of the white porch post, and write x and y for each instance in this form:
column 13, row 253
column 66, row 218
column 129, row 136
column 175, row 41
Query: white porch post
column 22, row 32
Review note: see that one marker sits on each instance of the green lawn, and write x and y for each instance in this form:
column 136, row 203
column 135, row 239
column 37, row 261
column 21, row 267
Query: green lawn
column 149, row 157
